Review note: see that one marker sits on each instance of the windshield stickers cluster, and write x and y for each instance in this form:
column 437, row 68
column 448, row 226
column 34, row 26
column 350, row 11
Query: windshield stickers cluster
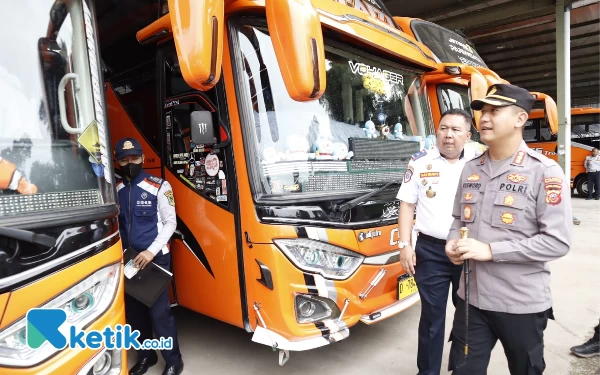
column 371, row 7
column 465, row 49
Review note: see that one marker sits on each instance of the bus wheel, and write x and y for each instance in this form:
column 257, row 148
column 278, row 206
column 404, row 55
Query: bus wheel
column 581, row 186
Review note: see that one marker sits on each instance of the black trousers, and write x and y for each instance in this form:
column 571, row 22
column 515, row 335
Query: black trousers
column 159, row 318
column 521, row 335
column 593, row 184
column 434, row 274
column 596, row 333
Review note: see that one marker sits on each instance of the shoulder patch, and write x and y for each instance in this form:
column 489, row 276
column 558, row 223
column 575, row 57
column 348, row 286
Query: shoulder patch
column 170, row 198
column 419, row 155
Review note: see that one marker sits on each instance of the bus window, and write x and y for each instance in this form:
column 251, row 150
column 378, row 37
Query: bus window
column 545, row 132
column 137, row 92
column 49, row 148
column 530, row 132
column 451, row 96
column 585, row 128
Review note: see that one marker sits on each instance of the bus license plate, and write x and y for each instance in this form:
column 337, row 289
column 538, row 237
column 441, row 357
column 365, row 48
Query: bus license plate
column 407, row 286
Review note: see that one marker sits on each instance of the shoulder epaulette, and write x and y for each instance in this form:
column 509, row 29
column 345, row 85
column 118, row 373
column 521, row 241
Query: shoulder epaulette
column 546, row 161
column 155, row 179
column 419, row 155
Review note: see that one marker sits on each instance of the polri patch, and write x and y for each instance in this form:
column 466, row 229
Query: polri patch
column 170, row 198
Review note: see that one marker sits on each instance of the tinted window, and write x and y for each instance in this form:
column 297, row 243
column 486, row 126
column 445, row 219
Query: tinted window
column 137, row 93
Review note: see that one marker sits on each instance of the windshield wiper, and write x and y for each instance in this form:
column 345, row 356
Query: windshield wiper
column 350, row 204
column 28, row 236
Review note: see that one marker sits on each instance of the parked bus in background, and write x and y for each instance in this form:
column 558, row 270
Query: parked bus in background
column 541, row 135
column 59, row 239
column 285, row 153
column 455, row 88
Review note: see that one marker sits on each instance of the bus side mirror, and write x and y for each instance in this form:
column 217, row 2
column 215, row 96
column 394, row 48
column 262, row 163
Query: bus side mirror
column 550, row 109
column 295, row 29
column 197, row 27
column 478, row 86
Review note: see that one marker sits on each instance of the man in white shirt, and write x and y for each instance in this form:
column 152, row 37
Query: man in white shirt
column 592, row 167
column 430, row 184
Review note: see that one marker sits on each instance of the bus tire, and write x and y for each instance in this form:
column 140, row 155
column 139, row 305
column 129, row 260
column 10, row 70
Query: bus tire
column 581, row 186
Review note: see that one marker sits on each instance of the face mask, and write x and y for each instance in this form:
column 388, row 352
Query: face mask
column 132, row 170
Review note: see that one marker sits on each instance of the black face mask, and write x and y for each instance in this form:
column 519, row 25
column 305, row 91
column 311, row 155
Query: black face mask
column 132, row 170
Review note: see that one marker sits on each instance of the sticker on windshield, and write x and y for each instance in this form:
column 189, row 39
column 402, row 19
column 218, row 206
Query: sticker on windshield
column 376, row 73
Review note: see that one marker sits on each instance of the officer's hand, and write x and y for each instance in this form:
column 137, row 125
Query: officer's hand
column 452, row 254
column 470, row 248
column 408, row 259
column 143, row 258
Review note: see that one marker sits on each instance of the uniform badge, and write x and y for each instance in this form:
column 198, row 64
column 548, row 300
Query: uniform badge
column 127, row 145
column 507, row 218
column 509, row 200
column 430, row 174
column 468, row 196
column 467, row 212
column 424, row 182
column 170, row 198
column 430, row 193
column 553, row 197
column 429, row 166
column 553, row 187
column 473, row 177
column 515, row 177
column 144, row 195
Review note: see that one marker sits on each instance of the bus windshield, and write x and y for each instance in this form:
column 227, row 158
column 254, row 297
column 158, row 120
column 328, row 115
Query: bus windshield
column 451, row 96
column 53, row 147
column 446, row 45
column 359, row 135
column 585, row 128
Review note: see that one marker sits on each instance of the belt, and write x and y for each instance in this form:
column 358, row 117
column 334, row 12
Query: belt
column 434, row 240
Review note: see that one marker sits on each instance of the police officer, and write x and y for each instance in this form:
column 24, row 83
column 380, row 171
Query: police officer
column 516, row 204
column 147, row 221
column 430, row 184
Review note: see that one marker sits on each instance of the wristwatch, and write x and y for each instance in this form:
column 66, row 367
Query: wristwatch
column 403, row 244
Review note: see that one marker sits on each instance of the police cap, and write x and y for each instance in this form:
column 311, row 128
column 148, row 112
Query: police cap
column 503, row 94
column 126, row 147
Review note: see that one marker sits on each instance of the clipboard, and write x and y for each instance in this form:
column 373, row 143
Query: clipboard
column 145, row 285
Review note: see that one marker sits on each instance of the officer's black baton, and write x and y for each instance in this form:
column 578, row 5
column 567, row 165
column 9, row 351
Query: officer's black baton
column 464, row 233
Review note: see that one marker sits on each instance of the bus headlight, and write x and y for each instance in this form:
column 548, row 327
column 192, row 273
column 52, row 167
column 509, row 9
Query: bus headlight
column 84, row 302
column 313, row 256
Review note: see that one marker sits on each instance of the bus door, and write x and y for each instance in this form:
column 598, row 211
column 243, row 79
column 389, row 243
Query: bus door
column 197, row 160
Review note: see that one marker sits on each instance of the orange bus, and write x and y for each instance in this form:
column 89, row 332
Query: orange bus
column 59, row 239
column 282, row 153
column 463, row 75
column 541, row 135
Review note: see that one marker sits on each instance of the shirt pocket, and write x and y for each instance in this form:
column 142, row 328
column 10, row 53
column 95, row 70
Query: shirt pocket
column 509, row 211
column 144, row 215
column 468, row 203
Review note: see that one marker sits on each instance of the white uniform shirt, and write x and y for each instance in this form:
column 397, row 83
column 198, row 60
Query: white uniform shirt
column 430, row 182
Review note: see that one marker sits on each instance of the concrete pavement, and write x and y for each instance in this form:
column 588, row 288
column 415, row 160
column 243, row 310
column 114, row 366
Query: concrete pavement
column 212, row 347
